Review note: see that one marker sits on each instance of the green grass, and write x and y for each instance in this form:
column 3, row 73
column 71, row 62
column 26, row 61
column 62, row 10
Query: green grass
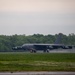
column 37, row 61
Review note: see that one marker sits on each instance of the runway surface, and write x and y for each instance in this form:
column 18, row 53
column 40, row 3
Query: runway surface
column 37, row 73
column 63, row 51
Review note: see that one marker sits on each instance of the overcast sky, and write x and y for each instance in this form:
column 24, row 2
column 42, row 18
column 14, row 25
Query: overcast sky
column 37, row 16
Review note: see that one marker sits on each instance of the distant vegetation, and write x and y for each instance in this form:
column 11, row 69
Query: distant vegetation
column 7, row 42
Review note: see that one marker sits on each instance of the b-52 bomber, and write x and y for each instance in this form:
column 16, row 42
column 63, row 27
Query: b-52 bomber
column 33, row 48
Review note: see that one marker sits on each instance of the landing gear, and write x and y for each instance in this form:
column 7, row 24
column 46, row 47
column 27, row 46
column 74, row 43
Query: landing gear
column 46, row 50
column 33, row 51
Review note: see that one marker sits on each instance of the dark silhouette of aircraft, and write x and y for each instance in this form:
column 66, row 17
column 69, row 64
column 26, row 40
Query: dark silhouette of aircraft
column 44, row 47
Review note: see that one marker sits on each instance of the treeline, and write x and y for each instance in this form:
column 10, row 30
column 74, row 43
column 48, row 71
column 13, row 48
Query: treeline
column 7, row 42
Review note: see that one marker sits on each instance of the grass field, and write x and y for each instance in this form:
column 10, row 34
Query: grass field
column 37, row 61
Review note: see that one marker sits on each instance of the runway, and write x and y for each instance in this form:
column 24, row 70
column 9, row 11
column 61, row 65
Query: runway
column 63, row 51
column 37, row 73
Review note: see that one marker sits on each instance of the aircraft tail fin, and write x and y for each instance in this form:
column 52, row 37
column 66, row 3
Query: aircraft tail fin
column 59, row 38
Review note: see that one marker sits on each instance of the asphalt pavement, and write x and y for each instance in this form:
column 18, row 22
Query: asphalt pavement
column 37, row 73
